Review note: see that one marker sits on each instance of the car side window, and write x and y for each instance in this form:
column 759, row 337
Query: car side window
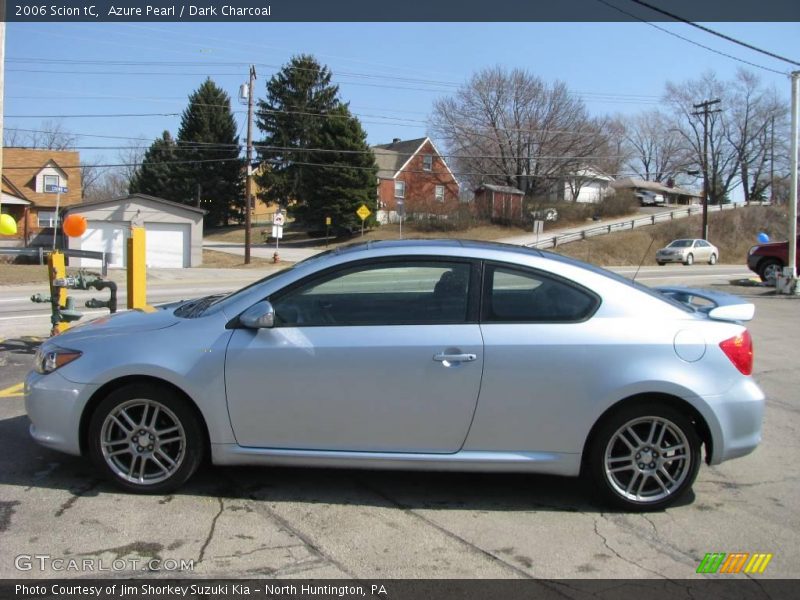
column 387, row 293
column 516, row 296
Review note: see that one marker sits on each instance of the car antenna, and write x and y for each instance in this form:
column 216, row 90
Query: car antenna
column 644, row 256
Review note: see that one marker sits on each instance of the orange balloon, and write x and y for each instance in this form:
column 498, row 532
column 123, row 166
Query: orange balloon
column 74, row 225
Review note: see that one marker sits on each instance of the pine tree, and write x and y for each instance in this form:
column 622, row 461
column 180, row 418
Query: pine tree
column 348, row 178
column 208, row 135
column 303, row 112
column 156, row 176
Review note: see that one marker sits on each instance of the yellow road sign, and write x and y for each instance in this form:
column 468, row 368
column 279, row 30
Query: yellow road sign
column 363, row 211
column 328, row 220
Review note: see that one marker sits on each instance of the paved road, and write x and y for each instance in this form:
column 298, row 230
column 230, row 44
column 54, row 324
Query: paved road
column 241, row 522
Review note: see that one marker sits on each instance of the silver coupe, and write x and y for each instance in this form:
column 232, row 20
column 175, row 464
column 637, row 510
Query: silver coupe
column 449, row 355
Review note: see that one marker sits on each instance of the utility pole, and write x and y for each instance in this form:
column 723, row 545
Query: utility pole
column 793, row 190
column 772, row 162
column 249, row 180
column 705, row 105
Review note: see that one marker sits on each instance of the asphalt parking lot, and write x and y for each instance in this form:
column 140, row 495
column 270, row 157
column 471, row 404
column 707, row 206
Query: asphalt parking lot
column 309, row 523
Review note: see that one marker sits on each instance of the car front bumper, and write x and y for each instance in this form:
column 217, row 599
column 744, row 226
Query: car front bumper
column 670, row 258
column 54, row 406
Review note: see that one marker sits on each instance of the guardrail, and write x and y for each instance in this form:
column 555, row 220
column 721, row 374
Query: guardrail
column 41, row 252
column 565, row 238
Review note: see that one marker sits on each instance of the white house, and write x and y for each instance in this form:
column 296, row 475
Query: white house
column 587, row 185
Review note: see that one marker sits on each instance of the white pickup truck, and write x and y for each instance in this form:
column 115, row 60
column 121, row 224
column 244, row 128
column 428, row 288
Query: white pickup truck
column 647, row 198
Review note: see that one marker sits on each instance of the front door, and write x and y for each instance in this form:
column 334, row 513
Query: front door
column 376, row 357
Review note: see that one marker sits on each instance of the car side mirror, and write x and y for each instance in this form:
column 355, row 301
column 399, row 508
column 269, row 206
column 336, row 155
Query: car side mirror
column 258, row 316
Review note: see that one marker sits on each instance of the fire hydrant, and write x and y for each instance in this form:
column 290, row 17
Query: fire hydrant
column 275, row 257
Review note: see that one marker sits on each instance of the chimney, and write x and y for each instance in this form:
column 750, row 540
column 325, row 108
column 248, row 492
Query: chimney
column 395, row 140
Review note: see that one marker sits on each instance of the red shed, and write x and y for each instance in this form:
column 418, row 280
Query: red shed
column 499, row 202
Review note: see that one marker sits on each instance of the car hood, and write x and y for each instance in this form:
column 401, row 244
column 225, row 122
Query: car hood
column 122, row 323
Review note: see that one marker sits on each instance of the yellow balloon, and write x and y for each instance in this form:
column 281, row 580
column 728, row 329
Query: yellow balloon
column 8, row 226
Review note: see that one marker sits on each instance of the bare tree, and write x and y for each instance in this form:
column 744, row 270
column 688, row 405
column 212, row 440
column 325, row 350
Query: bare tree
column 110, row 184
column 754, row 112
column 130, row 158
column 14, row 137
column 91, row 175
column 658, row 150
column 512, row 128
column 52, row 136
column 723, row 163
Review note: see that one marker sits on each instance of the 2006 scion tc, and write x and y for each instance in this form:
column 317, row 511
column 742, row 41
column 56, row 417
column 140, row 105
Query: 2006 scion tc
column 449, row 355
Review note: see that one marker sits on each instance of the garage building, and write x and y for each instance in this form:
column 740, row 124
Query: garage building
column 174, row 231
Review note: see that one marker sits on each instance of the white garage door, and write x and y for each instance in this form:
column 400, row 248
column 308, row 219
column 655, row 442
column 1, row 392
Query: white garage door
column 167, row 245
column 104, row 236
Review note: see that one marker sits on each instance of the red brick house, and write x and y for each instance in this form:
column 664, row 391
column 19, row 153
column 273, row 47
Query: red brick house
column 26, row 176
column 413, row 171
column 499, row 202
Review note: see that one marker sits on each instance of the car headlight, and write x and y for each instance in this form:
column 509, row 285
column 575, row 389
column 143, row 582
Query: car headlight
column 752, row 249
column 55, row 358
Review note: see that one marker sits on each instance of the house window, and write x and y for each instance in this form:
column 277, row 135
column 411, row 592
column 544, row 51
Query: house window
column 427, row 162
column 399, row 189
column 47, row 218
column 439, row 194
column 51, row 180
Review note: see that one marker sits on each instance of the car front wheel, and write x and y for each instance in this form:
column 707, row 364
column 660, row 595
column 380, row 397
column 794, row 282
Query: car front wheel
column 644, row 457
column 712, row 259
column 769, row 270
column 689, row 259
column 145, row 438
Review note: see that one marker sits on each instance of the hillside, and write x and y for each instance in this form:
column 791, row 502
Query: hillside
column 732, row 231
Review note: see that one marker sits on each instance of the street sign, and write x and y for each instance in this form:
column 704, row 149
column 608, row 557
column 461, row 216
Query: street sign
column 277, row 231
column 363, row 212
column 400, row 204
column 327, row 220
column 55, row 189
column 278, row 219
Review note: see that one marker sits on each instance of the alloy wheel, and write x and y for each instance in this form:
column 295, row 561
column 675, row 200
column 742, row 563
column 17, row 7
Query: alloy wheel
column 143, row 442
column 647, row 459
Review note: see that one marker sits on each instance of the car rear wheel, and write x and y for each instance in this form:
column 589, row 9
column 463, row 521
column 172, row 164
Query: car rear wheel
column 712, row 260
column 644, row 457
column 146, row 439
column 660, row 263
column 689, row 259
column 769, row 269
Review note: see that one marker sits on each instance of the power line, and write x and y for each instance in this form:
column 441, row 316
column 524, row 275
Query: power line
column 685, row 39
column 717, row 33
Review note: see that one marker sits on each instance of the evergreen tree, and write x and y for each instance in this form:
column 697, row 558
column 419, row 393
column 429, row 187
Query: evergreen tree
column 156, row 176
column 349, row 176
column 303, row 112
column 208, row 135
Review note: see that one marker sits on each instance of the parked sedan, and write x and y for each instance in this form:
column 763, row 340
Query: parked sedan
column 688, row 252
column 442, row 355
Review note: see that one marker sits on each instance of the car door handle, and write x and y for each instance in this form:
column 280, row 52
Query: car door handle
column 454, row 358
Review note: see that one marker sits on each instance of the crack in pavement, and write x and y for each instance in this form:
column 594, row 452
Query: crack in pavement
column 211, row 530
column 77, row 494
column 447, row 532
column 617, row 554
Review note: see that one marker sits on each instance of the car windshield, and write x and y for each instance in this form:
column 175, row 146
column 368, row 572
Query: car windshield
column 681, row 244
column 232, row 297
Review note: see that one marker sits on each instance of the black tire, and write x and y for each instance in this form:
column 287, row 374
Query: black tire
column 689, row 259
column 768, row 269
column 712, row 260
column 163, row 446
column 660, row 264
column 665, row 478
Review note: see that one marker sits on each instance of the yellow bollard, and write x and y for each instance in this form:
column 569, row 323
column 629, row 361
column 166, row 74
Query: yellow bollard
column 56, row 269
column 137, row 279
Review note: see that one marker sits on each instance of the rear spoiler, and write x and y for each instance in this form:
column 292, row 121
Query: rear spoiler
column 717, row 305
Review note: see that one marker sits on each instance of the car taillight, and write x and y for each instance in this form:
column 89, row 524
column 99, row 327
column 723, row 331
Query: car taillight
column 739, row 350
